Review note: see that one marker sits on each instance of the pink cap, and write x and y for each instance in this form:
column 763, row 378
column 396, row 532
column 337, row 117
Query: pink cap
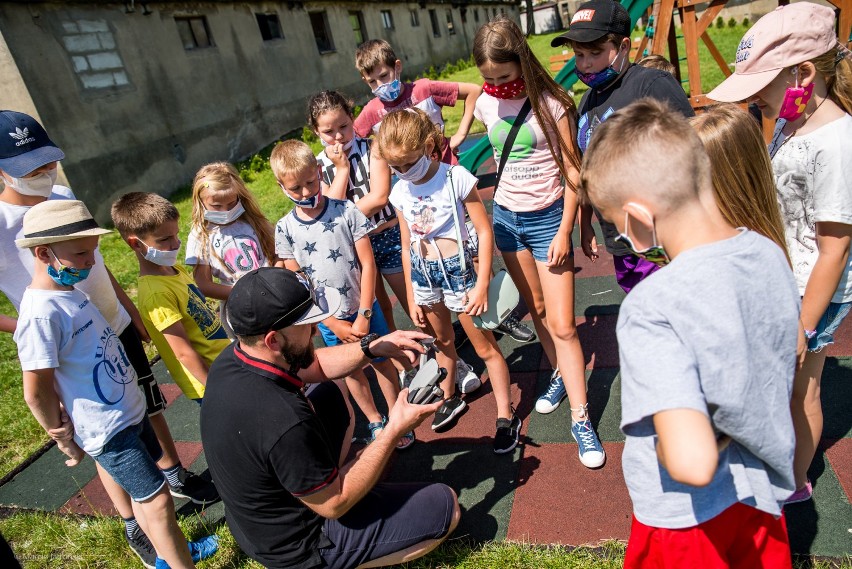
column 786, row 36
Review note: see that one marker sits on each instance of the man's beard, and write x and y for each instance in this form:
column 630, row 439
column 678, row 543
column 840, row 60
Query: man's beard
column 298, row 359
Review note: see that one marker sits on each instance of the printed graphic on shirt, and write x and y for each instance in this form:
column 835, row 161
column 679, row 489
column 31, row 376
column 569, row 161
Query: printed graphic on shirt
column 204, row 316
column 797, row 203
column 239, row 253
column 424, row 218
column 525, row 141
column 587, row 124
column 113, row 371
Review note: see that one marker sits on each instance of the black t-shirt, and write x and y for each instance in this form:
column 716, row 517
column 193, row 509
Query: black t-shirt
column 597, row 106
column 265, row 448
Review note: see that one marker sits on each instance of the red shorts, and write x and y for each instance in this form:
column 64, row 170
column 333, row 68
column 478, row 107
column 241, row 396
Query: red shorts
column 741, row 536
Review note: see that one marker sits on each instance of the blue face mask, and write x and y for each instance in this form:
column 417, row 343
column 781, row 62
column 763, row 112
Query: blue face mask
column 308, row 203
column 389, row 92
column 66, row 276
column 602, row 78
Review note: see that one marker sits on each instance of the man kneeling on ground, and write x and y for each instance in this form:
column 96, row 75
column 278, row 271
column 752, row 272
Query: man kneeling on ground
column 277, row 454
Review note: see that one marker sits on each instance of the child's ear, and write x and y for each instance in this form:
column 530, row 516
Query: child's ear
column 397, row 66
column 806, row 73
column 42, row 254
column 641, row 224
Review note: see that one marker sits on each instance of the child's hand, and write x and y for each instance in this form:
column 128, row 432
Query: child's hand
column 560, row 249
column 342, row 329
column 65, row 431
column 589, row 242
column 337, row 156
column 477, row 300
column 418, row 316
column 456, row 141
column 361, row 326
column 74, row 453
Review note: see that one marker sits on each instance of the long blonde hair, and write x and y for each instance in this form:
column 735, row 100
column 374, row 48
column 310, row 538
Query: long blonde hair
column 836, row 68
column 743, row 182
column 222, row 177
column 502, row 41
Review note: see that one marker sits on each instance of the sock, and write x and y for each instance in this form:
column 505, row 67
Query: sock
column 130, row 526
column 173, row 475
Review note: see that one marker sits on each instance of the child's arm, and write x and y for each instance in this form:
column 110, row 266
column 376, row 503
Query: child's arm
column 588, row 241
column 833, row 241
column 203, row 276
column 135, row 317
column 181, row 346
column 8, row 324
column 560, row 249
column 478, row 296
column 470, row 92
column 340, row 328
column 340, row 184
column 380, row 185
column 416, row 312
column 364, row 252
column 40, row 395
column 686, row 446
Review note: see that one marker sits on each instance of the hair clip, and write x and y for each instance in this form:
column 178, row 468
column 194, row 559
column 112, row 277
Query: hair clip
column 842, row 53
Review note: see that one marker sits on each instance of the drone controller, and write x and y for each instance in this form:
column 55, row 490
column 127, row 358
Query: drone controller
column 422, row 382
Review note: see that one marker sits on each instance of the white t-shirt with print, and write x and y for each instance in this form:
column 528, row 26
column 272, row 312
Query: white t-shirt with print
column 63, row 331
column 16, row 265
column 427, row 208
column 233, row 250
column 813, row 174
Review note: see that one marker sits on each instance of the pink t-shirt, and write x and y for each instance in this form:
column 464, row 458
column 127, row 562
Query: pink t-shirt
column 531, row 179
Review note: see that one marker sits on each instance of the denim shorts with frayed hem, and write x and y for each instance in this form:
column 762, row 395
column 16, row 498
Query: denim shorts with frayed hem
column 130, row 458
column 442, row 280
column 532, row 230
column 828, row 325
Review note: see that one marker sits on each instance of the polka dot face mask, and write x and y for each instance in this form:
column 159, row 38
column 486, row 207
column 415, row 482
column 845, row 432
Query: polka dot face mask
column 508, row 90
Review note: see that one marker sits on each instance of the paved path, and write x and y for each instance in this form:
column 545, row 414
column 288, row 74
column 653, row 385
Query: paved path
column 541, row 493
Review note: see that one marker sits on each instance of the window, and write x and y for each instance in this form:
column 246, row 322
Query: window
column 451, row 27
column 356, row 20
column 387, row 19
column 270, row 27
column 322, row 33
column 194, row 32
column 463, row 14
column 415, row 19
column 436, row 28
column 493, row 12
column 476, row 15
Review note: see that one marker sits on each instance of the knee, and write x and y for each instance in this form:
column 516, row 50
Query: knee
column 456, row 514
column 563, row 329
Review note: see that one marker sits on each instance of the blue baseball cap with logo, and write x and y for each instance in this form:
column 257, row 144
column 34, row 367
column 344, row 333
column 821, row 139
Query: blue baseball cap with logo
column 24, row 145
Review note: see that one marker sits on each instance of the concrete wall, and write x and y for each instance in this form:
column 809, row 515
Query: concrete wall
column 134, row 110
column 546, row 19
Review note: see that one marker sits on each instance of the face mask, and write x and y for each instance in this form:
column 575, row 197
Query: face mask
column 602, row 78
column 795, row 100
column 508, row 90
column 416, row 172
column 389, row 92
column 40, row 185
column 224, row 217
column 66, row 276
column 307, row 203
column 162, row 258
column 655, row 253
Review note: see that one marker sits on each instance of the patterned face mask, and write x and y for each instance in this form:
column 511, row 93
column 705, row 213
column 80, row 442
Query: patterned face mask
column 655, row 253
column 66, row 276
column 388, row 92
column 601, row 79
column 508, row 90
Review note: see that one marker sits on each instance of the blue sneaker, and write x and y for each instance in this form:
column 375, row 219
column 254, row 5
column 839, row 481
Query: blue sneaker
column 591, row 452
column 201, row 549
column 554, row 395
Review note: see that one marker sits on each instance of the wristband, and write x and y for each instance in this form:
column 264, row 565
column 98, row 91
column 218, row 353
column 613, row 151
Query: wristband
column 365, row 345
column 810, row 334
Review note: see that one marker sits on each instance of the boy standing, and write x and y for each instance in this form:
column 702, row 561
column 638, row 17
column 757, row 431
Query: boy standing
column 707, row 354
column 70, row 355
column 186, row 331
column 326, row 239
column 600, row 37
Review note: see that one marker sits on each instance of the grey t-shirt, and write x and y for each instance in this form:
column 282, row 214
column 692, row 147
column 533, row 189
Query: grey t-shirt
column 715, row 331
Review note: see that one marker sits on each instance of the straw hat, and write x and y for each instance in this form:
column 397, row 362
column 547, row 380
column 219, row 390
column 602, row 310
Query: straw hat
column 53, row 221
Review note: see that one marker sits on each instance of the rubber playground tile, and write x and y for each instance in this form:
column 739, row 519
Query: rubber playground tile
column 839, row 455
column 183, row 419
column 558, row 500
column 161, row 373
column 597, row 337
column 597, row 295
column 484, row 482
column 836, row 393
column 601, row 267
column 170, row 392
column 842, row 340
column 604, row 394
column 47, row 484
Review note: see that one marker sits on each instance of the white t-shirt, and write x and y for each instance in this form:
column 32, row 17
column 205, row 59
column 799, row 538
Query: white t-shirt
column 16, row 265
column 813, row 174
column 427, row 208
column 63, row 331
column 233, row 250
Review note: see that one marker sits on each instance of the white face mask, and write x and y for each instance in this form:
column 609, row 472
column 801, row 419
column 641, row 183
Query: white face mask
column 416, row 172
column 162, row 258
column 225, row 217
column 40, row 185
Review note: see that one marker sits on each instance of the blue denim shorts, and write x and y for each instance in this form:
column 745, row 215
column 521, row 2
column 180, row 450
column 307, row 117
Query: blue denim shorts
column 130, row 458
column 387, row 249
column 436, row 280
column 532, row 230
column 377, row 326
column 828, row 325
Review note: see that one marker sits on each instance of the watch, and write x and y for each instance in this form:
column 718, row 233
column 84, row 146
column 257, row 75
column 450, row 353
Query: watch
column 365, row 345
column 365, row 312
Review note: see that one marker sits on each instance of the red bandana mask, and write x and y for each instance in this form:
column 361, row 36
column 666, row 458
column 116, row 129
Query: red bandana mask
column 508, row 90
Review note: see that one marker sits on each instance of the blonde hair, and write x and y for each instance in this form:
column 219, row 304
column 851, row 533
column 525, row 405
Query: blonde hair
column 836, row 68
column 502, row 41
column 373, row 53
column 657, row 61
column 743, row 183
column 407, row 130
column 291, row 156
column 221, row 177
column 138, row 214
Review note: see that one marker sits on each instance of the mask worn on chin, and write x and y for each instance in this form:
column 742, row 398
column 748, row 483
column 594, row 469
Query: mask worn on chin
column 66, row 276
column 162, row 258
column 346, row 145
column 388, row 92
column 508, row 90
column 602, row 78
column 416, row 172
column 39, row 186
column 795, row 100
column 225, row 217
column 655, row 253
column 308, row 203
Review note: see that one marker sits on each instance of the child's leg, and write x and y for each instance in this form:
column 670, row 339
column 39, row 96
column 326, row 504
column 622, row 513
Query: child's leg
column 359, row 387
column 806, row 408
column 388, row 380
column 498, row 371
column 156, row 516
column 384, row 301
column 116, row 494
column 441, row 327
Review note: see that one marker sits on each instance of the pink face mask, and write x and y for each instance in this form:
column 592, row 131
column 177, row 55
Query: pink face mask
column 795, row 101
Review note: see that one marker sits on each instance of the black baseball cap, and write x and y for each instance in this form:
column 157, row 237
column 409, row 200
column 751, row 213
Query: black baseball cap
column 593, row 20
column 273, row 298
column 24, row 144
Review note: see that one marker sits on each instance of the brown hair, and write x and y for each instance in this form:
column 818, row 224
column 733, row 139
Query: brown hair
column 836, row 68
column 138, row 214
column 502, row 41
column 373, row 53
column 326, row 101
column 290, row 156
column 657, row 61
column 222, row 177
column 407, row 130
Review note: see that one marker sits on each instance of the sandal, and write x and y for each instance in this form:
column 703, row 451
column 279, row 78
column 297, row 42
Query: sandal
column 376, row 428
column 405, row 441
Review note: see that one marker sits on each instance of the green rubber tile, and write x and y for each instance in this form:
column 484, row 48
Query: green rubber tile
column 212, row 515
column 836, row 393
column 485, row 482
column 597, row 295
column 47, row 484
column 821, row 526
column 183, row 418
column 161, row 373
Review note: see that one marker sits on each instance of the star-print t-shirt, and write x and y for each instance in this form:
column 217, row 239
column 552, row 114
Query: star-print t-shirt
column 325, row 248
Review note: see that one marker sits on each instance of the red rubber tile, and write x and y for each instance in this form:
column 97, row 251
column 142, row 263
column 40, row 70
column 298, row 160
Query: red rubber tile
column 839, row 454
column 842, row 340
column 583, row 267
column 558, row 500
column 171, row 392
column 597, row 336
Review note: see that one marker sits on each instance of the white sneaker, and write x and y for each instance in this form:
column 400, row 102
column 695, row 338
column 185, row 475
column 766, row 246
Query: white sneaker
column 466, row 380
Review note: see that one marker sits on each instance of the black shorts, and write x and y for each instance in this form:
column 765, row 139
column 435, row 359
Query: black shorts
column 155, row 403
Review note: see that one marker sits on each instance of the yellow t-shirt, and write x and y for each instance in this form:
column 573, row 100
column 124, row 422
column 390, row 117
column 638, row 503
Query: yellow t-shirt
column 164, row 300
